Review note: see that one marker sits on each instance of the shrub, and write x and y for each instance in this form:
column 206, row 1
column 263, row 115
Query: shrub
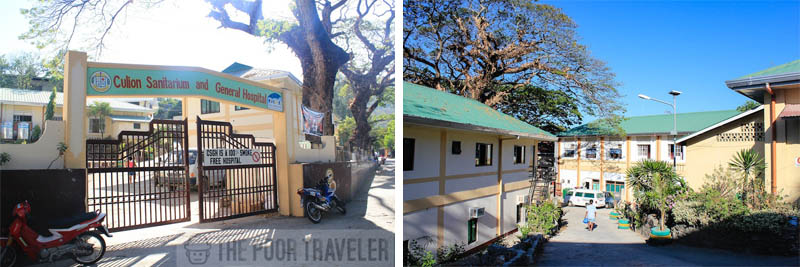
column 419, row 255
column 768, row 222
column 724, row 181
column 36, row 133
column 543, row 218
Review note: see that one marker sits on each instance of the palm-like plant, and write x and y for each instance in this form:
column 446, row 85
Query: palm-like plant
column 653, row 182
column 100, row 110
column 751, row 166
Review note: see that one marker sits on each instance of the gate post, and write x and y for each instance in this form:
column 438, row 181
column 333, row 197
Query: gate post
column 74, row 108
column 282, row 163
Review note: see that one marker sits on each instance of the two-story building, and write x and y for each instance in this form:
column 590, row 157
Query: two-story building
column 466, row 168
column 590, row 156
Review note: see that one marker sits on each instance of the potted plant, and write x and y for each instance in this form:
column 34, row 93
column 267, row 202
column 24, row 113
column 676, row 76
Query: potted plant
column 653, row 182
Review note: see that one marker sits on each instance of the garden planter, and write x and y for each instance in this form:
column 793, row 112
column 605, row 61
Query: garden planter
column 658, row 234
column 624, row 224
column 613, row 215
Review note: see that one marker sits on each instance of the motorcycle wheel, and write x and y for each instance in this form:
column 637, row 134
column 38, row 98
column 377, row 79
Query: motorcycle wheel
column 8, row 256
column 313, row 214
column 340, row 206
column 98, row 248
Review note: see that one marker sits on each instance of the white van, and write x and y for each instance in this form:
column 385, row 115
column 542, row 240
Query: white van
column 581, row 197
column 174, row 180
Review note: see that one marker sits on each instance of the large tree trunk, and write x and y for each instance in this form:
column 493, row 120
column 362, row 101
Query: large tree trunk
column 360, row 137
column 320, row 58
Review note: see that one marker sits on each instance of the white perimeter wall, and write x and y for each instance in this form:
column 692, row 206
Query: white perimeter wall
column 39, row 154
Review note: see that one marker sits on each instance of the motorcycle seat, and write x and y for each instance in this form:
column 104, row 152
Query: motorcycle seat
column 70, row 221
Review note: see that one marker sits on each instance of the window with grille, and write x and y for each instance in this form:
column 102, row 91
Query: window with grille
column 519, row 154
column 483, row 154
column 207, row 107
column 644, row 151
column 591, row 151
column 569, row 150
column 95, row 125
column 672, row 152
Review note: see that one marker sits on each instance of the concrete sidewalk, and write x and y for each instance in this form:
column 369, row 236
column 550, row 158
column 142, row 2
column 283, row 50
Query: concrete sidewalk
column 608, row 246
column 370, row 215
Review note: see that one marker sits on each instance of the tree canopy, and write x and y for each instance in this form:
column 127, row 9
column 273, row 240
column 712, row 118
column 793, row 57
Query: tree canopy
column 497, row 51
column 750, row 104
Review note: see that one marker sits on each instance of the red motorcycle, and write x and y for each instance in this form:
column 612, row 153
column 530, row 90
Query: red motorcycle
column 68, row 236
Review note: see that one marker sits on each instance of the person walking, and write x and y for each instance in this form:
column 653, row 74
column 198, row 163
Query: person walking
column 589, row 217
column 131, row 164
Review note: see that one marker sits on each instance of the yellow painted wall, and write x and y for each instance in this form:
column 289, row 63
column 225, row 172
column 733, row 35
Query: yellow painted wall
column 705, row 152
column 787, row 144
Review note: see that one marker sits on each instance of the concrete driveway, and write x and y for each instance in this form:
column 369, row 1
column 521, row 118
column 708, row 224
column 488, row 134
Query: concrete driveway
column 362, row 237
column 609, row 246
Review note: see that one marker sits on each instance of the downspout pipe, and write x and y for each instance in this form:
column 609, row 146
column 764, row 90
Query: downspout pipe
column 774, row 145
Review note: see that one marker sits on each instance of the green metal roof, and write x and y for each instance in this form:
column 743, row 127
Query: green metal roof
column 790, row 67
column 439, row 107
column 651, row 124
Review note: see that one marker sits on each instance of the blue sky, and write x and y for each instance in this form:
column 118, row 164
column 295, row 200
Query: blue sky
column 689, row 46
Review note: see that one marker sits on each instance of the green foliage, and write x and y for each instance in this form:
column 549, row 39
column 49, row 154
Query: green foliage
column 750, row 104
column 100, row 110
column 551, row 110
column 271, row 29
column 499, row 43
column 419, row 255
column 428, row 260
column 61, row 148
column 51, row 106
column 4, row 158
column 449, row 253
column 750, row 166
column 724, row 181
column 36, row 133
column 388, row 136
column 543, row 218
column 655, row 184
column 707, row 207
column 341, row 99
column 19, row 71
column 168, row 108
column 344, row 129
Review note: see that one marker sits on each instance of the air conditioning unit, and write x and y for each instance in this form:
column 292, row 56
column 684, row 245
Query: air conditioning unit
column 523, row 199
column 476, row 212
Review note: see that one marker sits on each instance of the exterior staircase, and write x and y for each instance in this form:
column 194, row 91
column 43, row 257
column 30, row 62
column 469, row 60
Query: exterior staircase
column 542, row 174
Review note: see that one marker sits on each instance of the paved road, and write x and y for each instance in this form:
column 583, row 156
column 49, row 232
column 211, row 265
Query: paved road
column 370, row 215
column 609, row 246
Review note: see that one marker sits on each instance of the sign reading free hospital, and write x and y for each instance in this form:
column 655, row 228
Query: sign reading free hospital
column 108, row 81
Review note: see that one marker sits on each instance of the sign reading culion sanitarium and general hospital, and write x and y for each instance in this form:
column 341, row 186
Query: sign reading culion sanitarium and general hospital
column 112, row 81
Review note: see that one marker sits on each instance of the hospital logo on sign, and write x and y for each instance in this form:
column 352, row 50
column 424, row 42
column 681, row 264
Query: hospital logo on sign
column 100, row 81
column 274, row 102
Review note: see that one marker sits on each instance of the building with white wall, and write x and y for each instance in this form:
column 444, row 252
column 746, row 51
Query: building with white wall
column 591, row 156
column 466, row 168
column 20, row 107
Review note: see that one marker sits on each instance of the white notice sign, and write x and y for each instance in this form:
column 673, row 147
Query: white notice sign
column 227, row 157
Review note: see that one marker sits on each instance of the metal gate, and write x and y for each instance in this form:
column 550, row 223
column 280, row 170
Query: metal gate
column 140, row 179
column 230, row 189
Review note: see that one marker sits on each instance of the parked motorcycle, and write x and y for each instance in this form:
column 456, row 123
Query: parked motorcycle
column 321, row 198
column 72, row 236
